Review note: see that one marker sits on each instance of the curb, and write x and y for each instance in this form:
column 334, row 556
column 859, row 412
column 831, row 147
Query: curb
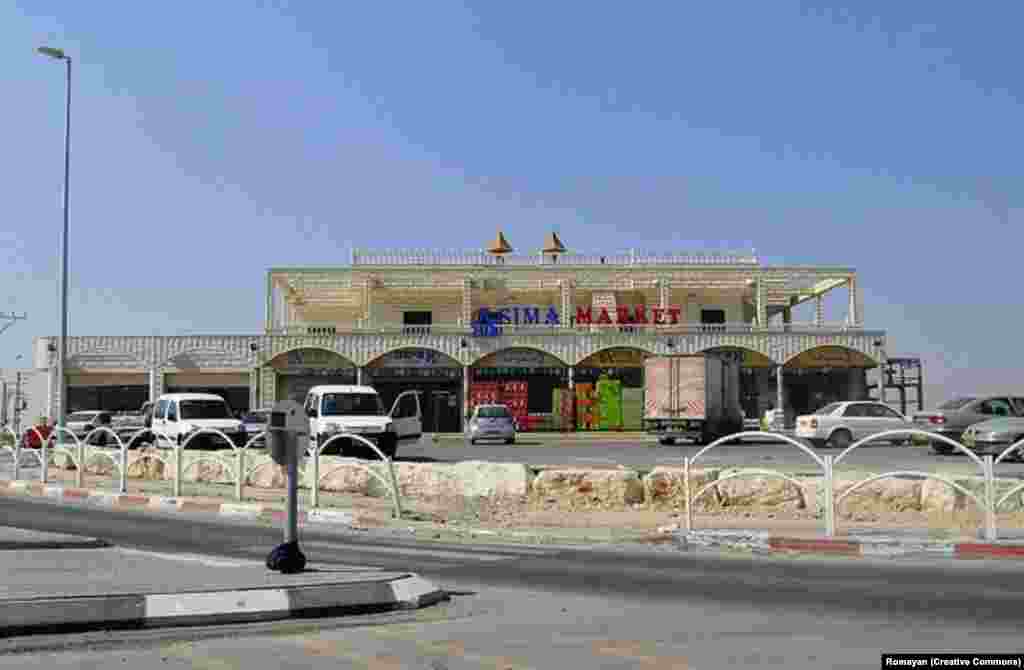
column 53, row 615
column 874, row 547
column 126, row 501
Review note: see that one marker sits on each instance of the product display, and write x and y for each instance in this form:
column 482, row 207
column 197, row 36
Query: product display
column 609, row 398
column 586, row 407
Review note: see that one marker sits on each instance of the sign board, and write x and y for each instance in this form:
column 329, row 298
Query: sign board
column 831, row 357
column 415, row 358
column 303, row 359
column 615, row 358
column 520, row 358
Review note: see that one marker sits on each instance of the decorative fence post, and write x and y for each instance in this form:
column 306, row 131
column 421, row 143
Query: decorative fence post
column 314, row 485
column 686, row 494
column 240, row 472
column 394, row 489
column 179, row 453
column 80, row 470
column 17, row 457
column 829, row 498
column 44, row 458
column 123, row 484
column 990, row 499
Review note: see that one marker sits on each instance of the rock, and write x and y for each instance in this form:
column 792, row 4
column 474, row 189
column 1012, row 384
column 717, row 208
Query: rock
column 578, row 488
column 937, row 496
column 340, row 475
column 884, row 495
column 146, row 464
column 482, row 479
column 761, row 491
column 663, row 488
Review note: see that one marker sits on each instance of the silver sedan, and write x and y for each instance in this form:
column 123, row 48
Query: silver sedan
column 492, row 422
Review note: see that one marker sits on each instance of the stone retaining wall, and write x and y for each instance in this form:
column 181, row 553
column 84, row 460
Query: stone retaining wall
column 567, row 488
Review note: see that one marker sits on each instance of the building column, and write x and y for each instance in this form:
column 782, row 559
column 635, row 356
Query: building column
column 760, row 306
column 467, row 302
column 268, row 386
column 254, row 389
column 780, row 400
column 53, row 395
column 852, row 318
column 368, row 301
column 465, row 395
column 156, row 383
column 567, row 303
column 819, row 312
column 359, row 375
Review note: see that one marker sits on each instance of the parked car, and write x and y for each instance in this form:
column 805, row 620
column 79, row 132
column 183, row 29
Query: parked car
column 84, row 422
column 359, row 410
column 254, row 423
column 995, row 436
column 178, row 415
column 492, row 422
column 952, row 417
column 840, row 424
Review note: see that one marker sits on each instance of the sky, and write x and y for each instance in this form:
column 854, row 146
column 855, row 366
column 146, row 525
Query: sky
column 211, row 141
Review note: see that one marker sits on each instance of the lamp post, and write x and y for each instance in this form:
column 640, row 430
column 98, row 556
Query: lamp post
column 58, row 54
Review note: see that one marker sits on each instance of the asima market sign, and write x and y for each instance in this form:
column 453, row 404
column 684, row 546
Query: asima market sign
column 549, row 316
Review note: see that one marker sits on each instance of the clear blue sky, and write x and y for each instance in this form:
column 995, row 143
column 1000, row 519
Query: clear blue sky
column 214, row 140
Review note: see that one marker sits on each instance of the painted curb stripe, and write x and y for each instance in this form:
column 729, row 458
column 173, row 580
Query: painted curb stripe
column 977, row 550
column 172, row 605
column 75, row 494
column 124, row 500
column 818, row 546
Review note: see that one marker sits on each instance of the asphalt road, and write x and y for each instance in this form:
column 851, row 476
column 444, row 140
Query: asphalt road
column 545, row 607
column 648, row 454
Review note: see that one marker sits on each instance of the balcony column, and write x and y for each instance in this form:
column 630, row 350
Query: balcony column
column 852, row 317
column 819, row 312
column 467, row 301
column 760, row 305
column 368, row 302
column 567, row 306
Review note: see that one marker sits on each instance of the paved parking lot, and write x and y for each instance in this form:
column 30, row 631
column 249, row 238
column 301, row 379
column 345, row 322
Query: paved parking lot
column 646, row 454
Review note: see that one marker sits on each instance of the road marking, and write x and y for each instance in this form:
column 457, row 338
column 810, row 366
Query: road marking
column 425, row 552
column 212, row 561
column 204, row 604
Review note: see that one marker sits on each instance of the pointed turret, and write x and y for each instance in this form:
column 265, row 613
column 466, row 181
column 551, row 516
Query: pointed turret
column 553, row 245
column 500, row 245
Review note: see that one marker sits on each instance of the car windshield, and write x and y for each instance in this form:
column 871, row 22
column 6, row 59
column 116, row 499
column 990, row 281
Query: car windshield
column 82, row 416
column 351, row 404
column 955, row 403
column 828, row 409
column 256, row 417
column 204, row 409
column 492, row 413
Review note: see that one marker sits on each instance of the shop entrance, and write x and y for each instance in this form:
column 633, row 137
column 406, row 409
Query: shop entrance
column 529, row 381
column 302, row 369
column 610, row 390
column 825, row 375
column 436, row 376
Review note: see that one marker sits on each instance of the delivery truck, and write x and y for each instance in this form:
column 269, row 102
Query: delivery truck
column 692, row 397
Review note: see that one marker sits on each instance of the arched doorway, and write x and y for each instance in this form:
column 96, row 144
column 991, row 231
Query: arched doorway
column 299, row 370
column 756, row 380
column 436, row 375
column 527, row 380
column 825, row 374
column 609, row 388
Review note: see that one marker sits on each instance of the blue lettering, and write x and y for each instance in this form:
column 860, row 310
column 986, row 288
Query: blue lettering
column 552, row 317
column 531, row 314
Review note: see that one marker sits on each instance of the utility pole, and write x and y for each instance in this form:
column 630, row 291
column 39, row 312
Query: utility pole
column 18, row 403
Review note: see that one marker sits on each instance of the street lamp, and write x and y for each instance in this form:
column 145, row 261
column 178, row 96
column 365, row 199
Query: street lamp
column 58, row 54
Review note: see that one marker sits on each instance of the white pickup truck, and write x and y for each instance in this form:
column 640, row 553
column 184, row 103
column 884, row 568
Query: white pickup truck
column 358, row 410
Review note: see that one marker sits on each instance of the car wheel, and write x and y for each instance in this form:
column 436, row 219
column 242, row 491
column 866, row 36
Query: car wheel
column 841, row 439
column 941, row 448
column 666, row 441
column 817, row 444
column 510, row 440
column 472, row 441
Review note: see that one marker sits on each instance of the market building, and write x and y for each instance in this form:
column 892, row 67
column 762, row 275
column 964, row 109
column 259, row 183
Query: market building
column 545, row 331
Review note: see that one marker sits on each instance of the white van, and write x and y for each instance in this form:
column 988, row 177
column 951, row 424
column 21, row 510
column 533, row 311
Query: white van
column 178, row 415
column 359, row 410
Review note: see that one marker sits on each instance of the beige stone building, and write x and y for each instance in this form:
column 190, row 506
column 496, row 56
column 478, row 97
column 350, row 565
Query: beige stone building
column 429, row 320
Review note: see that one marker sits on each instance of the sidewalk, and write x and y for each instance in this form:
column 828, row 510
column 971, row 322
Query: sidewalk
column 56, row 590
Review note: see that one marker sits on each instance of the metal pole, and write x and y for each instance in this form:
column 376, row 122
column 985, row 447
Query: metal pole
column 291, row 530
column 62, row 357
column 991, row 530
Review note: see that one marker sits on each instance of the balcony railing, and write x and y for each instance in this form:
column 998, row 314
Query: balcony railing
column 633, row 257
column 364, row 327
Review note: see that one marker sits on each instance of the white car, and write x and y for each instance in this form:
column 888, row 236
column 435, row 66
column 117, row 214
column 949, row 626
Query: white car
column 358, row 410
column 178, row 415
column 840, row 424
column 84, row 422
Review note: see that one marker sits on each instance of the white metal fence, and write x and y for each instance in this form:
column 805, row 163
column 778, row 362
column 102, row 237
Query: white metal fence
column 80, row 452
column 988, row 503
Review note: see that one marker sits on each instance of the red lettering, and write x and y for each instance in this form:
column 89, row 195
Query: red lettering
column 659, row 315
column 674, row 313
column 603, row 318
column 584, row 316
column 622, row 314
column 640, row 315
